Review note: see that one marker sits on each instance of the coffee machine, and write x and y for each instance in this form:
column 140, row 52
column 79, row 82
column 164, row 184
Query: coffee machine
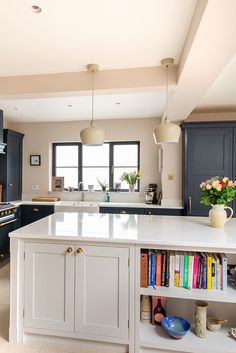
column 151, row 194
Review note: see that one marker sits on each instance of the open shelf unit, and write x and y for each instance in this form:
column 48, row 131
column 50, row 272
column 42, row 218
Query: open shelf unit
column 215, row 342
column 154, row 339
column 227, row 296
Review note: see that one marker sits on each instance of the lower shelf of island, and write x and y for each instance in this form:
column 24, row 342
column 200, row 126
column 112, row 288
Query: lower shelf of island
column 226, row 296
column 155, row 337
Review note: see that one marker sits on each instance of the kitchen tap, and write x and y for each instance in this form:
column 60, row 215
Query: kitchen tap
column 81, row 188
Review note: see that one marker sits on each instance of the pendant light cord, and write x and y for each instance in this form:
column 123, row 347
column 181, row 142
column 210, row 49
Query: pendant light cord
column 92, row 100
column 167, row 90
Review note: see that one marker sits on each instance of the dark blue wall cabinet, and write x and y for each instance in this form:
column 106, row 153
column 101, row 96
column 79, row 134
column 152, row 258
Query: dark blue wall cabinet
column 209, row 149
column 11, row 166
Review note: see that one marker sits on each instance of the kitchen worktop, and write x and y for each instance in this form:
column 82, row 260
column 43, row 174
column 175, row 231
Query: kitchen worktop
column 174, row 231
column 93, row 203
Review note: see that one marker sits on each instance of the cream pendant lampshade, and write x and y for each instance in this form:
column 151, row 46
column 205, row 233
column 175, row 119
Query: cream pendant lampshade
column 92, row 135
column 167, row 132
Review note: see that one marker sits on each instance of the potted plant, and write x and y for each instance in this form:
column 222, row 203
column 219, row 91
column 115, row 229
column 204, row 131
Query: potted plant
column 103, row 185
column 131, row 179
column 218, row 192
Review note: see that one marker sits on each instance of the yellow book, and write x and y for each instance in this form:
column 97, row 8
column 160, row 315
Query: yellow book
column 209, row 271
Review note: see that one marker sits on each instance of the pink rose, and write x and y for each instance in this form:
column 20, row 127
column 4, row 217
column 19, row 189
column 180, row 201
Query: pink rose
column 218, row 187
column 215, row 183
column 230, row 183
column 235, row 183
column 203, row 184
column 208, row 186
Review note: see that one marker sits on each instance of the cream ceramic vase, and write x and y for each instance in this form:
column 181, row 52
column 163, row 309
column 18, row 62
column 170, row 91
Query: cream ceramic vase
column 218, row 215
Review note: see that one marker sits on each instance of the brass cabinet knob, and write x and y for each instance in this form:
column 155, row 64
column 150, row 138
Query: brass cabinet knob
column 149, row 212
column 69, row 250
column 10, row 185
column 35, row 210
column 79, row 250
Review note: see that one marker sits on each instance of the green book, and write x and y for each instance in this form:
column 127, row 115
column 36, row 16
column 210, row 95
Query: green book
column 186, row 258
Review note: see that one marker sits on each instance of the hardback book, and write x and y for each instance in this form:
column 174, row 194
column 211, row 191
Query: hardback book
column 177, row 269
column 144, row 268
column 223, row 258
column 190, row 270
column 158, row 268
column 195, row 270
column 149, row 267
column 163, row 269
column 186, row 258
column 172, row 269
column 153, row 268
column 199, row 276
column 204, row 270
column 167, row 281
column 217, row 271
column 181, row 269
column 209, row 271
column 213, row 272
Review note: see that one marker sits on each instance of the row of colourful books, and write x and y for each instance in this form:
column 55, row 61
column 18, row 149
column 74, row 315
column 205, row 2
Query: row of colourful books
column 183, row 269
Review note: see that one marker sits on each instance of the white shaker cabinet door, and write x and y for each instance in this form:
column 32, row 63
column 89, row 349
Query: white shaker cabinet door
column 49, row 286
column 101, row 292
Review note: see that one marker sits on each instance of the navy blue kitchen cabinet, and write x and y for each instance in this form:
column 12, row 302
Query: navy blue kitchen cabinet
column 208, row 151
column 32, row 213
column 142, row 211
column 11, row 166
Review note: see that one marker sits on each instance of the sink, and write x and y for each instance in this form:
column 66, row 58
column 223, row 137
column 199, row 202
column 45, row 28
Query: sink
column 78, row 206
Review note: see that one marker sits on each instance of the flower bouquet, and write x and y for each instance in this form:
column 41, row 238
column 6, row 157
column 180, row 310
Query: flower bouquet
column 218, row 192
column 131, row 178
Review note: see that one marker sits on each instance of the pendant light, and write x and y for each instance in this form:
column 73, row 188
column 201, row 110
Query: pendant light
column 92, row 135
column 167, row 132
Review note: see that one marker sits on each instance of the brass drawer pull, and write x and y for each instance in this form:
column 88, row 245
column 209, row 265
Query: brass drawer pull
column 123, row 212
column 79, row 251
column 69, row 250
column 35, row 210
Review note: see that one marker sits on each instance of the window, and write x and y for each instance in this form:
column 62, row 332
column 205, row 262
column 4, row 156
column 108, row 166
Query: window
column 66, row 157
column 86, row 164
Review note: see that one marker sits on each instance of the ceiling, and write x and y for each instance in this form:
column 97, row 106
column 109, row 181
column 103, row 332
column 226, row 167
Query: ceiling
column 121, row 37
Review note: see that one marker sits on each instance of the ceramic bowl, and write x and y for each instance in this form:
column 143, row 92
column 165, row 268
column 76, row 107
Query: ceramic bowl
column 177, row 327
column 212, row 324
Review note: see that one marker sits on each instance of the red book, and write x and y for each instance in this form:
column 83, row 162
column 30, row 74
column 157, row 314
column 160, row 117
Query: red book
column 158, row 269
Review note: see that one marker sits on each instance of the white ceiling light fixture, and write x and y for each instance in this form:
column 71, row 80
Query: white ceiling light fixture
column 92, row 135
column 167, row 132
column 36, row 9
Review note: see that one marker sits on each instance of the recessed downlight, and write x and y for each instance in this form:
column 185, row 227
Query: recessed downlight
column 36, row 9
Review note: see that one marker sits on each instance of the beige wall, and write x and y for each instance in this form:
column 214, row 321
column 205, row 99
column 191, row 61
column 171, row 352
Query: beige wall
column 39, row 137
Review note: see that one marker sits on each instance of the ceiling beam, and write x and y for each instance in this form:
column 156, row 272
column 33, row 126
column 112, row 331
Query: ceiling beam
column 209, row 47
column 79, row 83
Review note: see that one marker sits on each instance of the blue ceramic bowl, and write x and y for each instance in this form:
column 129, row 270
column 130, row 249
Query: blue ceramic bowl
column 176, row 326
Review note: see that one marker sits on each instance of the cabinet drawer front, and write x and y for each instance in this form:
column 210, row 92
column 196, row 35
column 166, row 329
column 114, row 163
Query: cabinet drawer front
column 49, row 287
column 101, row 300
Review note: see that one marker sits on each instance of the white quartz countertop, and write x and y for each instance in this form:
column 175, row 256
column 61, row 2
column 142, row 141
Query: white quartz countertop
column 93, row 203
column 176, row 232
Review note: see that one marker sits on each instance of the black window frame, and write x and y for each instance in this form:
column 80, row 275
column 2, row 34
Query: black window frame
column 111, row 160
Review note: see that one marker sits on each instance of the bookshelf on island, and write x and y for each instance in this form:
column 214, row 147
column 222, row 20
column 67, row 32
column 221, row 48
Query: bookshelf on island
column 165, row 279
column 92, row 264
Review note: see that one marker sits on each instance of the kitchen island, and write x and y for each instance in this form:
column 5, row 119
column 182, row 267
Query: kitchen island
column 75, row 278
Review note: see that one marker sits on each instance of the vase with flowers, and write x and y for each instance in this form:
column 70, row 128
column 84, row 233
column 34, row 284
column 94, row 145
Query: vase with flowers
column 131, row 179
column 217, row 192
